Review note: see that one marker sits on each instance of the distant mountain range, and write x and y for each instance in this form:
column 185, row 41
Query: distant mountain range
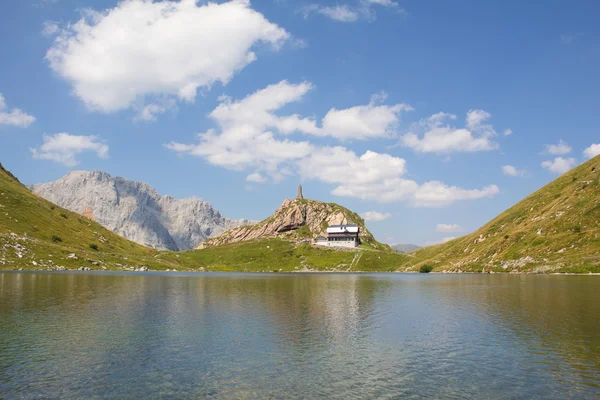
column 136, row 211
column 405, row 248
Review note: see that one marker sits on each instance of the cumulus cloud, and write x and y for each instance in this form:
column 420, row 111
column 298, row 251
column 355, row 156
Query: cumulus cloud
column 362, row 10
column 375, row 216
column 256, row 178
column 14, row 117
column 150, row 112
column 379, row 177
column 362, row 122
column 448, row 228
column 247, row 136
column 252, row 136
column 509, row 170
column 433, row 135
column 559, row 165
column 50, row 28
column 592, row 151
column 559, row 149
column 142, row 49
column 508, row 132
column 63, row 148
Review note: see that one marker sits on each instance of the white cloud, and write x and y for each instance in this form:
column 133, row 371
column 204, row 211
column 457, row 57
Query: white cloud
column 559, row 165
column 256, row 177
column 362, row 10
column 592, row 151
column 558, row 149
column 362, row 122
column 375, row 216
column 444, row 240
column 14, row 117
column 508, row 132
column 341, row 13
column 438, row 194
column 509, row 170
column 246, row 141
column 378, row 177
column 443, row 138
column 50, row 28
column 448, row 228
column 249, row 138
column 149, row 112
column 142, row 49
column 64, row 148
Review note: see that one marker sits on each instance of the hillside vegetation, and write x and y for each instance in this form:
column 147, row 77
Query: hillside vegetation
column 276, row 254
column 556, row 229
column 37, row 234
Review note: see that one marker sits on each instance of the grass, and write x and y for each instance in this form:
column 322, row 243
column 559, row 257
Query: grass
column 37, row 234
column 278, row 254
column 555, row 229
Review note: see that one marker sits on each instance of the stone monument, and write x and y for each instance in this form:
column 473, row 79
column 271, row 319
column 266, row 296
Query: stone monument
column 299, row 192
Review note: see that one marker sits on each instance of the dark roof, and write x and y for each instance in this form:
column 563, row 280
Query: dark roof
column 343, row 226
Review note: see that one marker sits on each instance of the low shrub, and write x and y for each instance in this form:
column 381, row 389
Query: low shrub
column 56, row 239
column 93, row 246
column 425, row 269
column 65, row 216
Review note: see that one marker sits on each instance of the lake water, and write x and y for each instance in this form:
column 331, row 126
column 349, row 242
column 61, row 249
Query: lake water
column 278, row 336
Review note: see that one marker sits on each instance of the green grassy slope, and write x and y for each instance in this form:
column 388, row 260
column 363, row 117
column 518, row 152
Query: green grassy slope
column 556, row 229
column 37, row 234
column 266, row 255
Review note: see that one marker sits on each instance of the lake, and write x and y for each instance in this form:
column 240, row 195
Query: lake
column 279, row 336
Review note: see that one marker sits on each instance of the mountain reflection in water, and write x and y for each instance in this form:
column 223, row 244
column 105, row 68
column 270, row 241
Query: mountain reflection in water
column 76, row 335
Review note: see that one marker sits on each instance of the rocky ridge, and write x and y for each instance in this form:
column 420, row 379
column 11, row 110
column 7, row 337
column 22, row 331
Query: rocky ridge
column 136, row 211
column 297, row 220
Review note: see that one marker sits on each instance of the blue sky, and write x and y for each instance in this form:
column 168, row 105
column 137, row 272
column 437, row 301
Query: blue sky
column 430, row 118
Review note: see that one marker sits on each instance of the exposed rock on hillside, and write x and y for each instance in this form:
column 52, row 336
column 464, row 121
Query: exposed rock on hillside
column 297, row 220
column 136, row 211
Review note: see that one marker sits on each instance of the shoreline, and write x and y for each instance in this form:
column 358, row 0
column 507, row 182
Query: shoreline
column 164, row 272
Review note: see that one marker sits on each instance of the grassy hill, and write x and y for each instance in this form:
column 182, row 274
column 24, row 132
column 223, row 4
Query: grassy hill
column 275, row 254
column 556, row 229
column 37, row 234
column 299, row 220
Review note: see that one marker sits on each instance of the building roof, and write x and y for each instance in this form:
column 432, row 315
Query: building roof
column 343, row 229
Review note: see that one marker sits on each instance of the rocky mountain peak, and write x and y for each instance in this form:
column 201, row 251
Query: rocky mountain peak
column 136, row 211
column 297, row 219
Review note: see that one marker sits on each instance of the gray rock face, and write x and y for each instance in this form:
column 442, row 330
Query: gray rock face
column 136, row 211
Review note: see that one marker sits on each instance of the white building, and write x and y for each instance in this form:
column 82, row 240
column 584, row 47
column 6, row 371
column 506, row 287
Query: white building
column 340, row 236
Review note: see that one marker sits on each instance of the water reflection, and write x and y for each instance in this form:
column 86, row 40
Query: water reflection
column 298, row 336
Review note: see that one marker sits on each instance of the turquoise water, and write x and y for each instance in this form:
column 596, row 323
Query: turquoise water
column 277, row 336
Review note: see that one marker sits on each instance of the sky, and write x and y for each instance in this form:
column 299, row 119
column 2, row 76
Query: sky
column 427, row 118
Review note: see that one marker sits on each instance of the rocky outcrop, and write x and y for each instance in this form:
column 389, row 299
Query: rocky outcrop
column 136, row 211
column 298, row 219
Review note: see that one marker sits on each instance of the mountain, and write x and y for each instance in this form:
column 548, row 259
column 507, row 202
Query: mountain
column 136, row 211
column 298, row 220
column 405, row 248
column 37, row 234
column 556, row 229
